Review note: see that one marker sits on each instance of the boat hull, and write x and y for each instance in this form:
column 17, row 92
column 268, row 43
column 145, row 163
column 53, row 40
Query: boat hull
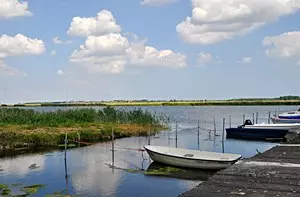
column 188, row 162
column 293, row 127
column 256, row 133
column 284, row 121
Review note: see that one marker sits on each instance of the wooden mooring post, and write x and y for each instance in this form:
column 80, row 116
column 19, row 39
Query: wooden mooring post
column 66, row 147
column 215, row 127
column 112, row 146
column 229, row 121
column 223, row 135
column 198, row 135
column 149, row 135
column 243, row 118
column 269, row 118
column 256, row 121
column 176, row 127
column 253, row 118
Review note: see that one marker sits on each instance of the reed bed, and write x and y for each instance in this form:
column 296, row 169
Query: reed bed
column 24, row 127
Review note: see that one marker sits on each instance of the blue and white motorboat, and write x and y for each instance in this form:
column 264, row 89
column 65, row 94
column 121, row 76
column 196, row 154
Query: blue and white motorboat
column 251, row 132
column 290, row 115
column 287, row 117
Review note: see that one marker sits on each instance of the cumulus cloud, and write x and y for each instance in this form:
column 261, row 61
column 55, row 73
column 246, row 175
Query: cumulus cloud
column 284, row 45
column 56, row 40
column 13, row 8
column 112, row 51
column 216, row 20
column 16, row 46
column 105, row 53
column 157, row 2
column 20, row 45
column 103, row 23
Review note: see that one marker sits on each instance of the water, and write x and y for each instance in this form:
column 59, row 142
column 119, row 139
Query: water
column 90, row 175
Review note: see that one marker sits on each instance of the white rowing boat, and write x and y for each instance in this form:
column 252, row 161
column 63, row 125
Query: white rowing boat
column 191, row 158
column 292, row 127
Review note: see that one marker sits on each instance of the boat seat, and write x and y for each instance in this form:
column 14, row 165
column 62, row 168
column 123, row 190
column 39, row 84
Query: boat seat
column 189, row 155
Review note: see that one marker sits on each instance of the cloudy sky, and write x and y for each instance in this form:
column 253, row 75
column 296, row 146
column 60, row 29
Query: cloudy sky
column 153, row 49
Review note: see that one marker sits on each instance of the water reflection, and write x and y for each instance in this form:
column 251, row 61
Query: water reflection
column 158, row 169
column 22, row 165
column 89, row 175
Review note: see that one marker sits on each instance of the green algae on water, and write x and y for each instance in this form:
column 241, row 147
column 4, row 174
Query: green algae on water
column 32, row 189
column 164, row 171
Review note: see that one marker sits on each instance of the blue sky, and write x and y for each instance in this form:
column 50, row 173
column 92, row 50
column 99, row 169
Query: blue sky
column 160, row 49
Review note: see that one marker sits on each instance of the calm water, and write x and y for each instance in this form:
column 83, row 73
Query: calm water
column 90, row 175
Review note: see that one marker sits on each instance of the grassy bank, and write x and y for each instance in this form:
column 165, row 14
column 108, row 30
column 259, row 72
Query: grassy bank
column 21, row 127
column 237, row 102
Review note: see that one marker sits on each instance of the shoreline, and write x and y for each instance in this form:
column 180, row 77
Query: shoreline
column 19, row 137
column 269, row 102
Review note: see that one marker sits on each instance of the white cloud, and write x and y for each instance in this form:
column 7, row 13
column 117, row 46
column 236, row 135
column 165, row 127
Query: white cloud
column 284, row 45
column 56, row 40
column 216, row 20
column 149, row 56
column 53, row 53
column 247, row 60
column 204, row 58
column 60, row 72
column 104, row 23
column 13, row 8
column 16, row 46
column 20, row 45
column 111, row 52
column 105, row 53
column 157, row 2
column 68, row 42
column 10, row 71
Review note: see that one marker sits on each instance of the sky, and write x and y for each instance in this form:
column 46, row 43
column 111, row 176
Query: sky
column 90, row 50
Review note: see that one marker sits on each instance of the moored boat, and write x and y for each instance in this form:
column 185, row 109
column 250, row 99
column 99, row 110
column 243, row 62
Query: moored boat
column 257, row 132
column 290, row 115
column 276, row 120
column 191, row 158
column 291, row 127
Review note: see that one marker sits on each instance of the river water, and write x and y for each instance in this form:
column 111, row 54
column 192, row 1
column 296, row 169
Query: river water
column 89, row 173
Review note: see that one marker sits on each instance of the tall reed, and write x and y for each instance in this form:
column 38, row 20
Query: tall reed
column 18, row 116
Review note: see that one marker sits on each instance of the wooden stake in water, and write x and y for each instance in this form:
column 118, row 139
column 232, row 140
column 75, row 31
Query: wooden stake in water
column 256, row 121
column 215, row 129
column 253, row 118
column 229, row 121
column 269, row 119
column 223, row 134
column 176, row 135
column 66, row 146
column 149, row 135
column 198, row 135
column 113, row 146
column 243, row 118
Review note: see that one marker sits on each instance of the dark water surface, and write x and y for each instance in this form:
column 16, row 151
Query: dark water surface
column 89, row 173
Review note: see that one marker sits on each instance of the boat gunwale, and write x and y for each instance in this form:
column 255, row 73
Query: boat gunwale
column 195, row 159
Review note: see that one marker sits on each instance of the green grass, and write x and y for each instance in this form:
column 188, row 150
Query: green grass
column 23, row 127
column 33, row 118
